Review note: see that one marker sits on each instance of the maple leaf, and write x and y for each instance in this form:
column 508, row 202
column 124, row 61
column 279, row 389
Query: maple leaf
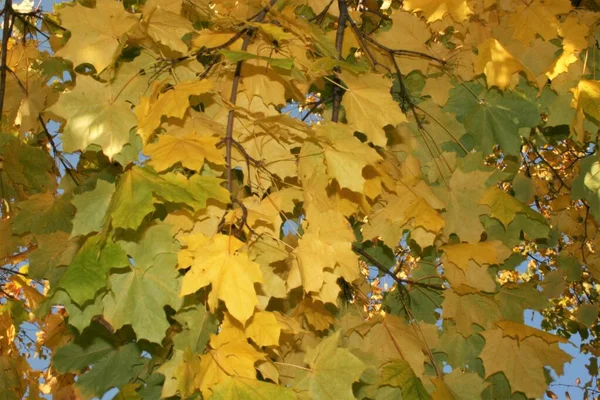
column 505, row 207
column 462, row 208
column 435, row 10
column 191, row 337
column 368, row 111
column 587, row 185
column 526, row 351
column 332, row 371
column 264, row 329
column 346, row 156
column 247, row 389
column 537, row 18
column 88, row 271
column 227, row 357
column 94, row 114
column 492, row 117
column 166, row 27
column 217, row 261
column 585, row 101
column 466, row 264
column 140, row 293
column 135, row 194
column 190, row 150
column 498, row 64
column 399, row 374
column 250, row 285
column 91, row 208
column 172, row 103
column 97, row 33
column 468, row 309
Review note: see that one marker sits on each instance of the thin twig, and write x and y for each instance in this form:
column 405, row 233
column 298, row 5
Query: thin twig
column 386, row 271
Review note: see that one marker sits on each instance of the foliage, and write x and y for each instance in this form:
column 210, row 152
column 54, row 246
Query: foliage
column 203, row 244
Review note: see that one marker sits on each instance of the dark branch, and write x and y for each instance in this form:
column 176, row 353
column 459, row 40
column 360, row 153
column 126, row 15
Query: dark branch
column 339, row 43
column 6, row 33
column 234, row 91
column 392, row 275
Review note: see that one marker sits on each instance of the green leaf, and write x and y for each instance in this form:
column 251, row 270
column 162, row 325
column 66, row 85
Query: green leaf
column 493, row 117
column 25, row 169
column 155, row 245
column 17, row 311
column 422, row 301
column 326, row 64
column 333, row 370
column 117, row 368
column 79, row 318
column 587, row 314
column 239, row 388
column 53, row 252
column 399, row 374
column 13, row 387
column 138, row 296
column 236, row 56
column 586, row 185
column 139, row 188
column 91, row 208
column 461, row 351
column 198, row 324
column 87, row 273
column 44, row 213
column 76, row 356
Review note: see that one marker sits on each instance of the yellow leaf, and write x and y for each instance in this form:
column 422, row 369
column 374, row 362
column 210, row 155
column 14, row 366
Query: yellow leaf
column 538, row 17
column 263, row 82
column 484, row 253
column 346, row 156
column 97, row 34
column 208, row 38
column 94, row 115
column 414, row 33
column 498, row 64
column 235, row 358
column 264, row 329
column 467, row 264
column 435, row 10
column 369, row 105
column 438, row 88
column 522, row 359
column 166, row 27
column 172, row 103
column 315, row 313
column 312, row 256
column 217, row 261
column 586, row 100
column 190, row 150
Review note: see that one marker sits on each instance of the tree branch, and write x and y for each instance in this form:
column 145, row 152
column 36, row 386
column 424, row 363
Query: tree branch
column 386, row 271
column 6, row 33
column 339, row 43
column 234, row 92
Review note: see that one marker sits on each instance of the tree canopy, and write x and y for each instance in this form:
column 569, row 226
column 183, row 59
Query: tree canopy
column 172, row 232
